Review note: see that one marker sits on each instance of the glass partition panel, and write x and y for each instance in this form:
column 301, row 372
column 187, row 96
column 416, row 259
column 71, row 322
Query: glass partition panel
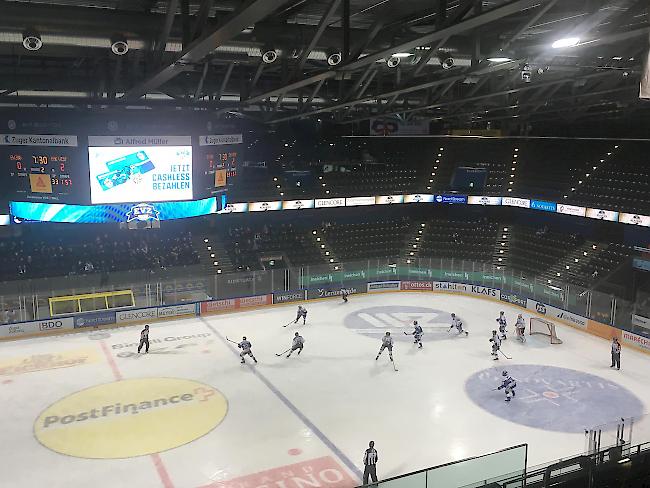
column 601, row 307
column 472, row 472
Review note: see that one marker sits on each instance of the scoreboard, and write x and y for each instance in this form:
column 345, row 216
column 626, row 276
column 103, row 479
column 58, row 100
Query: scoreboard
column 218, row 159
column 45, row 168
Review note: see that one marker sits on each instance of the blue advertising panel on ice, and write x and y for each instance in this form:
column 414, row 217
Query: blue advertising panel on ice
column 98, row 214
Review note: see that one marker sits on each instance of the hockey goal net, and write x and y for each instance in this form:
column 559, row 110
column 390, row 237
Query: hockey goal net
column 544, row 327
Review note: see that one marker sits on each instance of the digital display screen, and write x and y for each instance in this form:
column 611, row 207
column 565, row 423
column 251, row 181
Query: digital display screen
column 217, row 163
column 132, row 173
column 43, row 168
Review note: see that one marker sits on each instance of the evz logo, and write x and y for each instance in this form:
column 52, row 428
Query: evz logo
column 265, row 206
column 142, row 212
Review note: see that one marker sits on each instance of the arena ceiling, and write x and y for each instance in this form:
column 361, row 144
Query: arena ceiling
column 462, row 61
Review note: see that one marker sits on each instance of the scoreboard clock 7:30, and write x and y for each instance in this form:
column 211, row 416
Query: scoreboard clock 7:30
column 42, row 172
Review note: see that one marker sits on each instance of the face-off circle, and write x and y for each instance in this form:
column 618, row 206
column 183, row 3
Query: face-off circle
column 376, row 321
column 550, row 398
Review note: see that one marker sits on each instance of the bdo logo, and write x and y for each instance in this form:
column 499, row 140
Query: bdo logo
column 130, row 418
column 375, row 321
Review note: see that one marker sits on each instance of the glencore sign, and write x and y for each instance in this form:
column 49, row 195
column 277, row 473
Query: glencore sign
column 137, row 315
column 330, row 202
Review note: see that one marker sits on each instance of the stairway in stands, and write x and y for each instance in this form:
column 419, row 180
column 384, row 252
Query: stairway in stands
column 213, row 254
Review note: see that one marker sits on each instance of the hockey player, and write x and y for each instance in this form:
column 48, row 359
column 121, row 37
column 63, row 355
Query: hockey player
column 344, row 295
column 297, row 343
column 509, row 384
column 245, row 347
column 520, row 325
column 386, row 343
column 456, row 322
column 302, row 312
column 502, row 325
column 417, row 333
column 496, row 345
column 144, row 339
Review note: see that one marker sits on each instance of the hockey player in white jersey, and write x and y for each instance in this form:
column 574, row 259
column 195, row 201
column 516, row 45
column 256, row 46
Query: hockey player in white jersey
column 417, row 333
column 245, row 347
column 386, row 343
column 496, row 345
column 502, row 325
column 458, row 324
column 520, row 325
column 297, row 344
column 509, row 384
column 344, row 295
column 302, row 313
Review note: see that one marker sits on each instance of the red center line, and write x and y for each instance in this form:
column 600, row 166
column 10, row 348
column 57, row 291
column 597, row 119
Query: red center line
column 157, row 461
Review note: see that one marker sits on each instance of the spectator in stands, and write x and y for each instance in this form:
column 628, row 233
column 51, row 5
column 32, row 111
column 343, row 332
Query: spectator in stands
column 594, row 275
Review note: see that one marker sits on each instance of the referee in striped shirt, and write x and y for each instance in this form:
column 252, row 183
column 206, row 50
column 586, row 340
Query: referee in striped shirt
column 370, row 459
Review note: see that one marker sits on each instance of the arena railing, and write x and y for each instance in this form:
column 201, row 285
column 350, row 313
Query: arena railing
column 28, row 299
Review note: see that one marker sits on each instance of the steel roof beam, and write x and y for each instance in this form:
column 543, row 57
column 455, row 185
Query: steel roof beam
column 463, row 26
column 248, row 14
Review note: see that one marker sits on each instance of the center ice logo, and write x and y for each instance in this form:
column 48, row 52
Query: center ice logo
column 375, row 321
column 550, row 398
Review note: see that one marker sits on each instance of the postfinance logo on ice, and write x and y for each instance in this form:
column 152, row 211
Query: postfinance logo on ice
column 130, row 418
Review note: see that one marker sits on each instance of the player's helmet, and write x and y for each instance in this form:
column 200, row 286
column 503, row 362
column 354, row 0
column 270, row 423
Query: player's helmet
column 296, row 334
column 387, row 333
column 494, row 332
column 244, row 338
column 453, row 314
column 415, row 322
column 505, row 373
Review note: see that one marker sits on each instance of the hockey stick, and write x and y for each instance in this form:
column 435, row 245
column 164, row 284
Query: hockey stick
column 292, row 322
column 283, row 353
column 231, row 341
column 504, row 354
column 407, row 333
column 394, row 367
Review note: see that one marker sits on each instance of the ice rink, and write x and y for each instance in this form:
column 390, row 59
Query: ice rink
column 86, row 410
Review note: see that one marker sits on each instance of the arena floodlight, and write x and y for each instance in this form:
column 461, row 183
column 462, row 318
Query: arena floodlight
column 566, row 42
column 499, row 59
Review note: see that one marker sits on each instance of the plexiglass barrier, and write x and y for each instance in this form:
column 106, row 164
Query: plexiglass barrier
column 28, row 299
column 469, row 473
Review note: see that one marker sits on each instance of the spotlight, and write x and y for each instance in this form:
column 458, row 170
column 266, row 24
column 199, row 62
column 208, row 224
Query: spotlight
column 566, row 42
column 119, row 45
column 32, row 40
column 334, row 57
column 269, row 56
column 447, row 63
column 393, row 62
column 499, row 59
